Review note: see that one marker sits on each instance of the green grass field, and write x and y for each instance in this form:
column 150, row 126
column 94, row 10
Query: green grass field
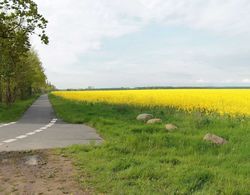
column 146, row 159
column 15, row 111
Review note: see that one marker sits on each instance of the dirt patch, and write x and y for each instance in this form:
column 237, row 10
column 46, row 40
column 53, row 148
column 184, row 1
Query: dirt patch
column 37, row 172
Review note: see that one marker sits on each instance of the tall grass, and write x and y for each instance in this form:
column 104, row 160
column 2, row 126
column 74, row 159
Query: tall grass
column 145, row 159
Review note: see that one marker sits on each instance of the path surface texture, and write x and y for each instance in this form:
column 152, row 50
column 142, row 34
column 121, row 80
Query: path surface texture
column 40, row 129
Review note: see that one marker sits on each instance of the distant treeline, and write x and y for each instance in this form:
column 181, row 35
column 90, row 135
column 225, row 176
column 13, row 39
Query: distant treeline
column 21, row 71
column 144, row 88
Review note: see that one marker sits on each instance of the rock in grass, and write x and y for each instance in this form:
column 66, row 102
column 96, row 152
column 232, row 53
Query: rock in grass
column 170, row 127
column 154, row 121
column 214, row 139
column 144, row 117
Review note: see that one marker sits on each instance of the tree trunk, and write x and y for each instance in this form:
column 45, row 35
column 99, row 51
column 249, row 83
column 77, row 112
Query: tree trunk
column 1, row 90
column 8, row 92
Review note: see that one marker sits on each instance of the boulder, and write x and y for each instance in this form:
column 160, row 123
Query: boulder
column 32, row 160
column 144, row 117
column 154, row 121
column 170, row 127
column 214, row 139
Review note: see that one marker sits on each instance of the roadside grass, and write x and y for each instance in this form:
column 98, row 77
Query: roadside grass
column 15, row 111
column 145, row 159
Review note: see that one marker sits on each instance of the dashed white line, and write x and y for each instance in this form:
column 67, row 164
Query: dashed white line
column 52, row 122
column 31, row 133
column 9, row 140
column 7, row 124
column 38, row 130
column 21, row 137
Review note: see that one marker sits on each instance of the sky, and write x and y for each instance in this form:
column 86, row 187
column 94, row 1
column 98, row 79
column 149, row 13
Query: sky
column 139, row 43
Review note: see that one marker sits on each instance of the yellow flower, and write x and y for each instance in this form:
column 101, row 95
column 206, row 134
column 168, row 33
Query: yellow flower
column 223, row 101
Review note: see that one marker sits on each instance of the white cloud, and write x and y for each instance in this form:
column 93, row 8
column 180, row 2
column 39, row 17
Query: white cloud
column 75, row 28
column 78, row 27
column 201, row 81
column 245, row 81
column 224, row 16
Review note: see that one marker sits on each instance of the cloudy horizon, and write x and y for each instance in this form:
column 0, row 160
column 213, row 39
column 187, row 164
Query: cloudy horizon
column 137, row 43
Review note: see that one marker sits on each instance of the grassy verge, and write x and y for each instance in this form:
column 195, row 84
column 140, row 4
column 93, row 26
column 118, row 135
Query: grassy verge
column 15, row 111
column 145, row 159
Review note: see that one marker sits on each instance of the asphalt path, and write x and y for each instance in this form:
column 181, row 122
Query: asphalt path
column 40, row 129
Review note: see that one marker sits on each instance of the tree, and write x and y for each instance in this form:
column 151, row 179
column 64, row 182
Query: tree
column 20, row 68
column 31, row 78
column 21, row 14
column 10, row 57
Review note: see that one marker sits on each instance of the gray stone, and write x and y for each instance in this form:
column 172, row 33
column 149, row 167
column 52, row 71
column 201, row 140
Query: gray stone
column 32, row 160
column 144, row 117
column 154, row 121
column 170, row 127
column 214, row 139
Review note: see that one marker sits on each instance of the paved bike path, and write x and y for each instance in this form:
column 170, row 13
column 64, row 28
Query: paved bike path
column 40, row 129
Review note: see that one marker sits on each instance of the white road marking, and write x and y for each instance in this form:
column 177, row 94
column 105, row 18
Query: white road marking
column 7, row 124
column 21, row 137
column 9, row 140
column 31, row 133
column 38, row 130
column 27, row 134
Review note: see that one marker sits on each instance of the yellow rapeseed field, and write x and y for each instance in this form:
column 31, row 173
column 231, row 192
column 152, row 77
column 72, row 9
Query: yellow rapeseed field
column 223, row 101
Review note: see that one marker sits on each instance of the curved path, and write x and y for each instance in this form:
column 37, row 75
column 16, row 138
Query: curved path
column 40, row 129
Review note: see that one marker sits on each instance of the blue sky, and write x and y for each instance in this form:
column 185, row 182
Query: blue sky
column 115, row 43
